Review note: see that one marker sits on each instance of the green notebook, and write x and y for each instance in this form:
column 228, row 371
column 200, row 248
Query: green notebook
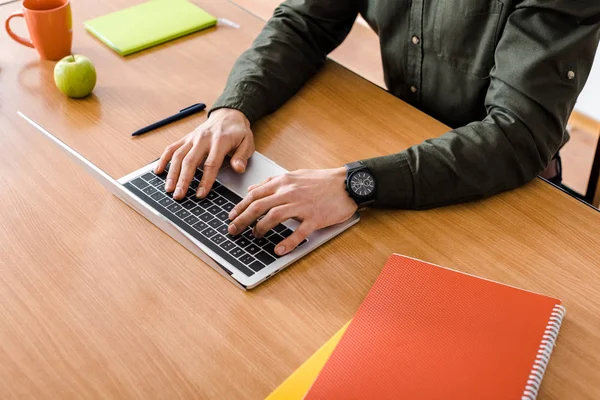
column 148, row 24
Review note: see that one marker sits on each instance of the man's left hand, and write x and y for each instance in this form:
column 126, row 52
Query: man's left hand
column 316, row 198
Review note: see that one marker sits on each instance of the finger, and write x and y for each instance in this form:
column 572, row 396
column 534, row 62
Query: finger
column 211, row 168
column 256, row 194
column 289, row 244
column 274, row 217
column 239, row 160
column 175, row 168
column 252, row 187
column 188, row 170
column 166, row 156
column 255, row 210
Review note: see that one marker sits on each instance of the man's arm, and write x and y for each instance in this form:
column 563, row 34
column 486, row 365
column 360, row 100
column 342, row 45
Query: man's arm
column 291, row 48
column 531, row 95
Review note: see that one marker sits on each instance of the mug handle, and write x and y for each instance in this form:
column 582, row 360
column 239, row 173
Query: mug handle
column 20, row 39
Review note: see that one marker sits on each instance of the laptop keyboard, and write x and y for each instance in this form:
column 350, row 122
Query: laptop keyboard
column 207, row 220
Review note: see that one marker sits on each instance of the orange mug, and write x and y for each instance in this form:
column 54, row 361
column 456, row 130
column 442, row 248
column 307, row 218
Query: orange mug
column 50, row 27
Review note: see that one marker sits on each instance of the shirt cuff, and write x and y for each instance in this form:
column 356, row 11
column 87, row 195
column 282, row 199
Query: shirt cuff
column 394, row 180
column 239, row 98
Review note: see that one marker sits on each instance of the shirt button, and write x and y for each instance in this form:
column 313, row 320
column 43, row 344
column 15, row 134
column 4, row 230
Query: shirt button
column 416, row 40
column 571, row 75
column 414, row 89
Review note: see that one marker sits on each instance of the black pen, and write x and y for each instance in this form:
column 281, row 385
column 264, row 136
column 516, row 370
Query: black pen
column 186, row 112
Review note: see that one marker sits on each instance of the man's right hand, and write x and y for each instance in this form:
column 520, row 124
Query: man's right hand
column 226, row 131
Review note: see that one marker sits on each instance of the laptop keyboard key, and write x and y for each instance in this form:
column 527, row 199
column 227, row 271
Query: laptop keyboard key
column 205, row 203
column 188, row 205
column 227, row 245
column 158, row 196
column 200, row 226
column 206, row 217
column 194, row 184
column 150, row 190
column 256, row 266
column 260, row 242
column 191, row 220
column 242, row 241
column 166, row 202
column 223, row 230
column 156, row 182
column 252, row 248
column 209, row 232
column 279, row 228
column 174, row 207
column 265, row 258
column 183, row 214
column 220, row 201
column 215, row 223
column 270, row 248
column 148, row 176
column 227, row 206
column 198, row 211
column 212, row 195
column 287, row 232
column 275, row 238
column 248, row 234
column 247, row 259
column 228, row 194
column 218, row 239
column 223, row 216
column 237, row 252
column 214, row 210
column 198, row 174
column 139, row 183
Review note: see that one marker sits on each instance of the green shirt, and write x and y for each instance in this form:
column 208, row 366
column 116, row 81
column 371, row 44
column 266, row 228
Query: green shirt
column 504, row 74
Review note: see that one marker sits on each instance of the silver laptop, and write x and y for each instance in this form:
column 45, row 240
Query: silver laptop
column 201, row 225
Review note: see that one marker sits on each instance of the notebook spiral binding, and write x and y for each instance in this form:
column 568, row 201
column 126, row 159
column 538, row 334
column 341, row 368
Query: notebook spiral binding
column 543, row 355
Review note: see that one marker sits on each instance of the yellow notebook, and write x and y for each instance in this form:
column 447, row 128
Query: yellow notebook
column 297, row 385
column 149, row 24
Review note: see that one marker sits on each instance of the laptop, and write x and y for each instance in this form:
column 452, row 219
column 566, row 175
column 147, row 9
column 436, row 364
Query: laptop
column 200, row 225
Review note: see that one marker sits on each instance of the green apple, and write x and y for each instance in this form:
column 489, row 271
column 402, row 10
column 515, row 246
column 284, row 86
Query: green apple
column 75, row 76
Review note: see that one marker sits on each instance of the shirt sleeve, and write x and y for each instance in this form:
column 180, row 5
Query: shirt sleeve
column 542, row 62
column 291, row 48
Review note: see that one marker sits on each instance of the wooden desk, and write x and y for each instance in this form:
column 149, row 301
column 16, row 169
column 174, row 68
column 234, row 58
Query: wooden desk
column 95, row 302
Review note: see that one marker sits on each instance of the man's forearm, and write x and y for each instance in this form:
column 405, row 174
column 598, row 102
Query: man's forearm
column 291, row 48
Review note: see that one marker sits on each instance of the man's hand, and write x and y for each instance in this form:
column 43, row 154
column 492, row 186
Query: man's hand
column 317, row 198
column 226, row 131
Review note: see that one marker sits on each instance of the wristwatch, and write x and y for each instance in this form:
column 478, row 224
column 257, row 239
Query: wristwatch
column 360, row 184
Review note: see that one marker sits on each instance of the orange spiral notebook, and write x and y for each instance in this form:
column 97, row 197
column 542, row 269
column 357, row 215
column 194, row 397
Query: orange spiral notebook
column 428, row 332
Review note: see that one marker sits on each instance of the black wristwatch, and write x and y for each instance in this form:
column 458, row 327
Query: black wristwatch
column 360, row 184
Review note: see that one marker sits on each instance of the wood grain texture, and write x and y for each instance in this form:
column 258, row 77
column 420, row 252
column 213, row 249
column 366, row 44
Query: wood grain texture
column 95, row 302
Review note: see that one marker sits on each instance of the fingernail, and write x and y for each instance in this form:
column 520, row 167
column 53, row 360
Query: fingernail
column 280, row 250
column 169, row 185
column 256, row 233
column 233, row 215
column 240, row 164
column 232, row 229
column 200, row 193
column 178, row 192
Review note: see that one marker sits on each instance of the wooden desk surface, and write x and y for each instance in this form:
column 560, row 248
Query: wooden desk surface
column 95, row 302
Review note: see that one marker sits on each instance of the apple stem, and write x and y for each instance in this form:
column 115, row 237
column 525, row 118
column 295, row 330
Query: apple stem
column 73, row 57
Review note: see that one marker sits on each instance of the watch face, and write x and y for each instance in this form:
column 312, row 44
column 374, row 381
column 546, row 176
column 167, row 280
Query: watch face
column 362, row 184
